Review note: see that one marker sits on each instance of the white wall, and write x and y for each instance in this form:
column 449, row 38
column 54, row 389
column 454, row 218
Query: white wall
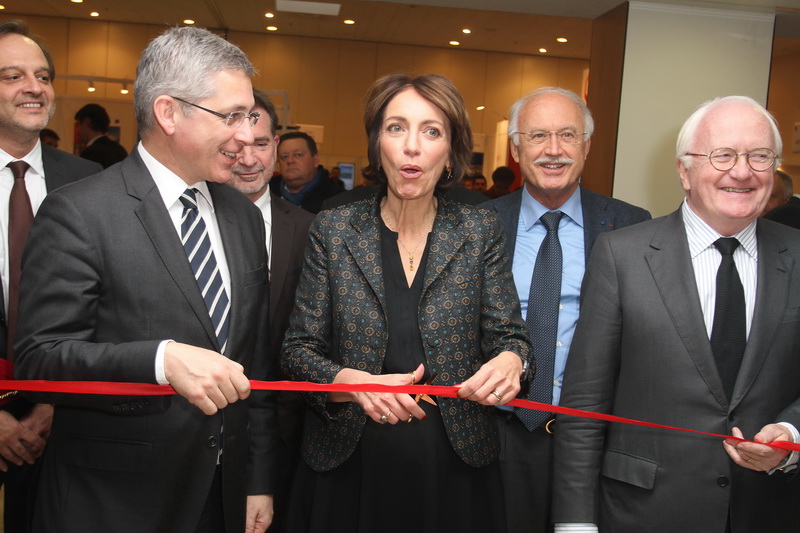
column 675, row 59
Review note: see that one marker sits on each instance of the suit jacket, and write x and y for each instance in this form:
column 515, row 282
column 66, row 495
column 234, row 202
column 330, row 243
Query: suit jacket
column 105, row 151
column 641, row 351
column 600, row 214
column 60, row 168
column 468, row 314
column 105, row 279
column 788, row 213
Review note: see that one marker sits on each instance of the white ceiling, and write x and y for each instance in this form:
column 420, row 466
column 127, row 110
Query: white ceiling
column 514, row 26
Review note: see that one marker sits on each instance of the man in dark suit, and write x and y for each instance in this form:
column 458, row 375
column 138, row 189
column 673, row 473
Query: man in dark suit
column 93, row 121
column 303, row 182
column 286, row 237
column 783, row 206
column 27, row 102
column 550, row 132
column 153, row 271
column 690, row 320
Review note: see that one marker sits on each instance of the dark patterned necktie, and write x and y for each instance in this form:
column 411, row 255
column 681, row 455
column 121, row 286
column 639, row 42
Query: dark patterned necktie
column 728, row 334
column 197, row 244
column 20, row 218
column 543, row 305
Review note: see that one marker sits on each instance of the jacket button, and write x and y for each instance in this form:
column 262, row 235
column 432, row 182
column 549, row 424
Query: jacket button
column 732, row 416
column 723, row 481
column 212, row 442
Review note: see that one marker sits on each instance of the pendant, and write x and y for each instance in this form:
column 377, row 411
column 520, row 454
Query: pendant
column 411, row 263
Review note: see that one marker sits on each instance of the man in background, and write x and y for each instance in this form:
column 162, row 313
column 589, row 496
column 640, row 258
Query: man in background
column 29, row 169
column 551, row 221
column 782, row 205
column 286, row 238
column 93, row 122
column 303, row 181
column 49, row 137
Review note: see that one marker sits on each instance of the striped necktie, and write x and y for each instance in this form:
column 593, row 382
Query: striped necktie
column 197, row 244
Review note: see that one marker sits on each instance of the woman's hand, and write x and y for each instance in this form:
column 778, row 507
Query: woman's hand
column 380, row 406
column 496, row 382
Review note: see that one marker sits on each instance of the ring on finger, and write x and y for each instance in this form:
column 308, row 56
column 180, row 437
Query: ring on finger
column 412, row 377
column 410, row 418
column 384, row 419
column 497, row 395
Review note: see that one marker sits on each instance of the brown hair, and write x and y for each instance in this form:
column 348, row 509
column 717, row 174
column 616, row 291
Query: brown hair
column 439, row 91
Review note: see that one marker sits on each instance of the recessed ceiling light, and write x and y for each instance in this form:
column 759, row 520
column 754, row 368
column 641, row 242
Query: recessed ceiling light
column 543, row 50
column 272, row 28
column 480, row 108
column 2, row 7
column 269, row 15
column 455, row 43
column 466, row 30
column 349, row 21
column 562, row 39
column 188, row 21
column 94, row 14
column 77, row 1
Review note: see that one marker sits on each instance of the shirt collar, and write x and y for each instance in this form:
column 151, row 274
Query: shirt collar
column 531, row 210
column 701, row 236
column 33, row 158
column 169, row 184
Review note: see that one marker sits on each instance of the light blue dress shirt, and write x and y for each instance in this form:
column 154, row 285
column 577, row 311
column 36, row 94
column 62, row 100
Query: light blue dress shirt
column 530, row 234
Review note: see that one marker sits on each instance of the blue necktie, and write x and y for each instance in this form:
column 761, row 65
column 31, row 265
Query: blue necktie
column 728, row 333
column 543, row 305
column 197, row 244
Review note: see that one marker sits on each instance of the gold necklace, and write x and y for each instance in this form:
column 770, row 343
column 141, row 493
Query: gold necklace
column 411, row 254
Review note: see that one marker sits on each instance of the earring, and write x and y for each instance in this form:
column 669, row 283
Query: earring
column 449, row 173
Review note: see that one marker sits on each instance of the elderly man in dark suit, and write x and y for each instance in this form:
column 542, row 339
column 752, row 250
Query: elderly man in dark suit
column 153, row 271
column 287, row 235
column 690, row 320
column 27, row 102
column 550, row 131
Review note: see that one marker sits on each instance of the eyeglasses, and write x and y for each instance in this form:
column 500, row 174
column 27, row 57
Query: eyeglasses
column 234, row 118
column 541, row 136
column 724, row 159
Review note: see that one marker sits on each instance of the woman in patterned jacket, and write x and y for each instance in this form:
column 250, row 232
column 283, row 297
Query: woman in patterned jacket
column 398, row 289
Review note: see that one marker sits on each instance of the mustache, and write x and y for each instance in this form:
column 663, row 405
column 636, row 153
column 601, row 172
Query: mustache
column 554, row 161
column 241, row 169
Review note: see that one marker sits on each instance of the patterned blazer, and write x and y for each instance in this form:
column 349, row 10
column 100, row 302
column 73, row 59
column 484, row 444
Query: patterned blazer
column 469, row 312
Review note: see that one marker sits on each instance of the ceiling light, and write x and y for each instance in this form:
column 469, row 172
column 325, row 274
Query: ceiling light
column 543, row 50
column 466, row 30
column 94, row 14
column 311, row 8
column 349, row 21
column 77, row 1
column 124, row 89
column 188, row 21
column 91, row 88
column 480, row 108
column 272, row 28
column 455, row 43
column 269, row 15
column 2, row 7
column 562, row 39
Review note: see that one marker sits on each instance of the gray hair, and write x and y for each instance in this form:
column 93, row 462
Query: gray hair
column 688, row 134
column 516, row 109
column 181, row 62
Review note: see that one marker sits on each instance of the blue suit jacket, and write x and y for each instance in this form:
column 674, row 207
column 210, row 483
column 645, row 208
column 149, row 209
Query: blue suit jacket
column 469, row 313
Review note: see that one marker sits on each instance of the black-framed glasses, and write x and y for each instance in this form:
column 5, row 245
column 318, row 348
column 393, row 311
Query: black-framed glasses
column 234, row 118
column 541, row 136
column 724, row 159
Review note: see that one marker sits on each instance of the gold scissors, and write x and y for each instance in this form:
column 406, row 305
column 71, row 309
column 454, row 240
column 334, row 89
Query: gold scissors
column 425, row 397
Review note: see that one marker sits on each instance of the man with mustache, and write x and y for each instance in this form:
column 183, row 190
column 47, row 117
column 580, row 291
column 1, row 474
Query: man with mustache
column 550, row 131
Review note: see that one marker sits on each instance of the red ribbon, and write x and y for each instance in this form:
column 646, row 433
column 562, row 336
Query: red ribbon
column 146, row 389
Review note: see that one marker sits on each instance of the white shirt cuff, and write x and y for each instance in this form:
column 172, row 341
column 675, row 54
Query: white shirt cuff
column 161, row 376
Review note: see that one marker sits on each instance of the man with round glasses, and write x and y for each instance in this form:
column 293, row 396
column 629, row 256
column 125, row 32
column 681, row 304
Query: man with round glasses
column 692, row 321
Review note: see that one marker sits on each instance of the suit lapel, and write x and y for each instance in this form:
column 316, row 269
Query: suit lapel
column 159, row 227
column 671, row 267
column 364, row 245
column 507, row 209
column 448, row 237
column 283, row 228
column 774, row 272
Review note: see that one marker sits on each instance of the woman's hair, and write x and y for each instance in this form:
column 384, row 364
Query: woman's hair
column 440, row 92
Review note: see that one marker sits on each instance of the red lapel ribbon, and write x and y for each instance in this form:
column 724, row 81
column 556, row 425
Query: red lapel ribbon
column 146, row 389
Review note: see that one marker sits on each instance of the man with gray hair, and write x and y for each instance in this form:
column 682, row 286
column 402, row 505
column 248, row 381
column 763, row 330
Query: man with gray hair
column 160, row 277
column 550, row 222
column 690, row 320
